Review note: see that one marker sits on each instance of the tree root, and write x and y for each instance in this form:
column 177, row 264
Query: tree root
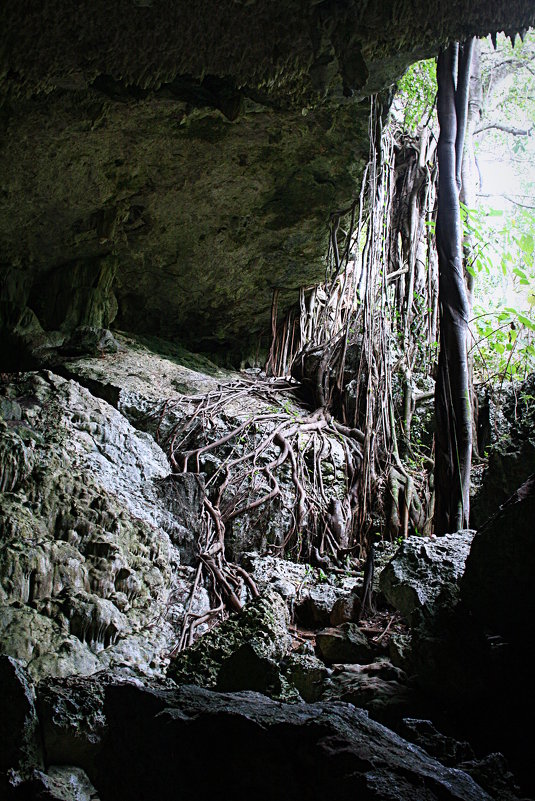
column 253, row 458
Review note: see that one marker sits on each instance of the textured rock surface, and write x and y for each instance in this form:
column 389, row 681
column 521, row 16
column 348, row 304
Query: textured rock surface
column 346, row 643
column 144, row 740
column 510, row 426
column 158, row 391
column 100, row 540
column 307, row 674
column 378, row 687
column 20, row 738
column 156, row 743
column 475, row 659
column 167, row 218
column 242, row 653
column 446, row 749
column 90, row 545
column 59, row 783
column 424, row 574
column 141, row 374
column 491, row 771
column 112, row 736
column 497, row 585
column 312, row 598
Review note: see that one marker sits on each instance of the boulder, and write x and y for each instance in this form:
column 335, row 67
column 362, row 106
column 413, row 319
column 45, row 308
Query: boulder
column 242, row 653
column 307, row 674
column 497, row 586
column 345, row 610
column 346, row 644
column 20, row 751
column 249, row 668
column 59, row 783
column 263, row 749
column 314, row 596
column 446, row 749
column 379, row 687
column 113, row 736
column 509, row 445
column 423, row 576
column 493, row 774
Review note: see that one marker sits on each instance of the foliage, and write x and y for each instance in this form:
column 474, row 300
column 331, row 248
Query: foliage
column 503, row 325
column 502, row 228
column 417, row 93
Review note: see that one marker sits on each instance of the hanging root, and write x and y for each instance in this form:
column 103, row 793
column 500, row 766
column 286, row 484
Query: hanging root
column 374, row 318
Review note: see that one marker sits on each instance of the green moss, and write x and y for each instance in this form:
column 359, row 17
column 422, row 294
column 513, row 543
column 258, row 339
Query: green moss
column 262, row 626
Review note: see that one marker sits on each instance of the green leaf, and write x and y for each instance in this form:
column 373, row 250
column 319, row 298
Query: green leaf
column 526, row 321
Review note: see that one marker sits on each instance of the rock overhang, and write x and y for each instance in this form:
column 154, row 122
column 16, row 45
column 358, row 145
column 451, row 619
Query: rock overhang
column 168, row 165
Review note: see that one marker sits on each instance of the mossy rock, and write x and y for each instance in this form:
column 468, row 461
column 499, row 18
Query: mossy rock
column 257, row 637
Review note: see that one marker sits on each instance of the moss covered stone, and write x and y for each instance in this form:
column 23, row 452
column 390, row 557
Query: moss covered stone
column 257, row 637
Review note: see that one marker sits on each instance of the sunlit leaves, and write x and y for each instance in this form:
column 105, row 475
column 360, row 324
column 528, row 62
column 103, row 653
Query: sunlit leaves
column 502, row 259
column 417, row 93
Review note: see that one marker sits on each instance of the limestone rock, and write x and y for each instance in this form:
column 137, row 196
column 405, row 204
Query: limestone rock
column 424, row 574
column 491, row 771
column 493, row 774
column 244, row 650
column 59, row 783
column 311, row 595
column 72, row 717
column 440, row 746
column 137, row 738
column 509, row 445
column 307, row 674
column 16, row 462
column 157, row 742
column 345, row 644
column 90, row 564
column 345, row 610
column 399, row 647
column 183, row 495
column 317, row 602
column 20, row 751
column 497, row 585
column 90, row 340
column 247, row 668
column 144, row 374
column 159, row 391
column 73, row 714
column 378, row 687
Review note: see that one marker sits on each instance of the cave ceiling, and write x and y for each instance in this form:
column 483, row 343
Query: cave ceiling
column 166, row 165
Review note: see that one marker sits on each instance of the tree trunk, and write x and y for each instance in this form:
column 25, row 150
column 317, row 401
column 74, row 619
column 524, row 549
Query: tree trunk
column 452, row 396
column 468, row 196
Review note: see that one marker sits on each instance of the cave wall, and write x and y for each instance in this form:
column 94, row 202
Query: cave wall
column 165, row 166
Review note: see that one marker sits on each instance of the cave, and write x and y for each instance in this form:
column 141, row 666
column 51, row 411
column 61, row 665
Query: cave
column 218, row 567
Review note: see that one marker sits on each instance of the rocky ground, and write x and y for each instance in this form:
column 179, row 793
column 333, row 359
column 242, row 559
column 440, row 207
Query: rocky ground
column 99, row 574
